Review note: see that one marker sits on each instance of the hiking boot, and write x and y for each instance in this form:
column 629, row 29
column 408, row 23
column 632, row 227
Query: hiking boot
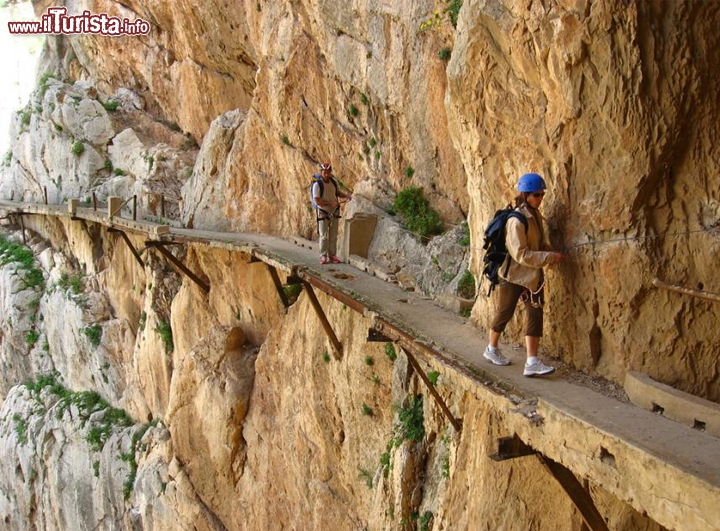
column 335, row 260
column 495, row 357
column 324, row 260
column 538, row 369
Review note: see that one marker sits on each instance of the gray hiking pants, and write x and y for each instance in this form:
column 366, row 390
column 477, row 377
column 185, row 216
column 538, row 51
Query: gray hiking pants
column 328, row 229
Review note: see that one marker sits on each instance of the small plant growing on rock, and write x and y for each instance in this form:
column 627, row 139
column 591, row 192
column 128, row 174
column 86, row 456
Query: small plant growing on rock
column 129, row 458
column 20, row 428
column 31, row 337
column 43, row 83
column 93, row 333
column 453, row 10
column 11, row 252
column 424, row 521
column 366, row 476
column 385, row 459
column 466, row 286
column 292, row 292
column 111, row 105
column 411, row 421
column 78, row 148
column 465, row 238
column 24, row 115
column 390, row 351
column 164, row 330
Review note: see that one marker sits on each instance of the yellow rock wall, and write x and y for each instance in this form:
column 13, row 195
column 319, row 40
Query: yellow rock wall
column 614, row 103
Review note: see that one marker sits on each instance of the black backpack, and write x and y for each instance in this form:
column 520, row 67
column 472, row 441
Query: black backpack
column 494, row 244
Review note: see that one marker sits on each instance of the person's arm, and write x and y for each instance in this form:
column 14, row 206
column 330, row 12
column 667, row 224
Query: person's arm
column 517, row 246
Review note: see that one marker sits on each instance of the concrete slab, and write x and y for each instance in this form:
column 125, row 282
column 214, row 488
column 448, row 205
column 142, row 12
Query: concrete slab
column 672, row 403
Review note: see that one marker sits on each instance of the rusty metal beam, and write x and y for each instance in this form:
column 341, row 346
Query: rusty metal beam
column 323, row 286
column 22, row 229
column 438, row 399
column 160, row 246
column 337, row 346
column 130, row 245
column 574, row 489
column 513, row 447
column 278, row 285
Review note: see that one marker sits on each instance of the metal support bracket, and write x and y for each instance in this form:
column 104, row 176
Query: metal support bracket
column 22, row 229
column 160, row 246
column 335, row 342
column 130, row 245
column 574, row 489
column 278, row 285
column 513, row 447
column 457, row 424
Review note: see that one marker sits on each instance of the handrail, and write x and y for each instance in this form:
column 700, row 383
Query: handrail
column 715, row 297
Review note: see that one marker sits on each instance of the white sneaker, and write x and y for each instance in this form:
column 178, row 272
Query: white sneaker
column 495, row 357
column 538, row 369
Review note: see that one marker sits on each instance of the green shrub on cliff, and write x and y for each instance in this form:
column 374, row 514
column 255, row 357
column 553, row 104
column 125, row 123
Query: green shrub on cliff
column 417, row 214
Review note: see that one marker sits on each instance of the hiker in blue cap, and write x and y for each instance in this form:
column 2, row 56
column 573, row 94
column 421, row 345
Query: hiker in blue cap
column 523, row 277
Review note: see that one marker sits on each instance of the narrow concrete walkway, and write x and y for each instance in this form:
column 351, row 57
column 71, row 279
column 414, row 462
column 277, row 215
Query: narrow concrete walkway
column 660, row 467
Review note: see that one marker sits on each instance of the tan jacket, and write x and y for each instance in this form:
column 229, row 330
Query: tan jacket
column 525, row 252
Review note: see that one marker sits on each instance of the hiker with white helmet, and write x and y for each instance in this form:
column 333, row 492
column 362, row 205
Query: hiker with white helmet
column 326, row 198
column 522, row 276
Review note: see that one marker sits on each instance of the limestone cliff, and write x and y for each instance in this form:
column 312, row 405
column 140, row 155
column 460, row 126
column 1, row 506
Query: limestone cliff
column 236, row 417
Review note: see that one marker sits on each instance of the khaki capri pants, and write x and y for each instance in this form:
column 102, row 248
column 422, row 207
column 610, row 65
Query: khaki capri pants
column 508, row 295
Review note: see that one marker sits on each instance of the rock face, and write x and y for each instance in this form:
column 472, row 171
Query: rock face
column 216, row 119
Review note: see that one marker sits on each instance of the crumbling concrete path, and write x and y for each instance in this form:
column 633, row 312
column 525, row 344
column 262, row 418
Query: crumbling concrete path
column 662, row 468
